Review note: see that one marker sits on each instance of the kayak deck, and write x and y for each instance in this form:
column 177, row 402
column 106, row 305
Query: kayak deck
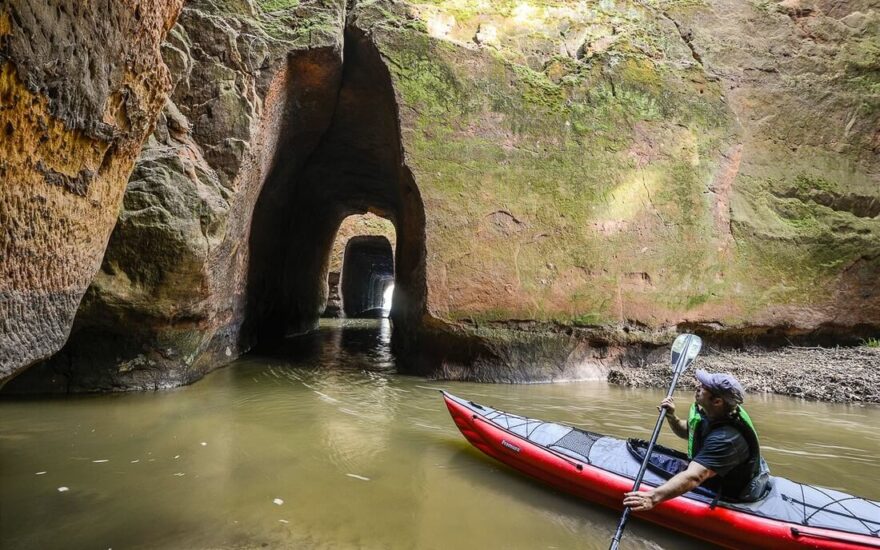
column 600, row 468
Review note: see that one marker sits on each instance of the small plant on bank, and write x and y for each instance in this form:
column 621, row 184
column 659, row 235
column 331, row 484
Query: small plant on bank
column 871, row 342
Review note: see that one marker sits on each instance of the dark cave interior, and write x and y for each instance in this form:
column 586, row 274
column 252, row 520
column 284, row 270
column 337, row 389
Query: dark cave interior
column 367, row 271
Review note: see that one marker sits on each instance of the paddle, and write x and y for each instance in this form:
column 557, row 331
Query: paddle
column 684, row 351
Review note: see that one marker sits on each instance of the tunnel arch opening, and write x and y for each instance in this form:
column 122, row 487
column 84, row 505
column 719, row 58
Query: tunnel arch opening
column 355, row 227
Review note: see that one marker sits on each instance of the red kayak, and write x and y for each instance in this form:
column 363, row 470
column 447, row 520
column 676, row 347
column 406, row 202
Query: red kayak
column 600, row 469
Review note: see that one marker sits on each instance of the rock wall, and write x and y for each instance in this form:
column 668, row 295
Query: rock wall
column 617, row 170
column 169, row 300
column 804, row 204
column 564, row 179
column 80, row 86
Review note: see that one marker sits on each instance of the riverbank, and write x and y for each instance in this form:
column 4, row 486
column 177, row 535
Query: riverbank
column 838, row 375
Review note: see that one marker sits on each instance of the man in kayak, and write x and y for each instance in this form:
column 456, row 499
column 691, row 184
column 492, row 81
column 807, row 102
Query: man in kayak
column 722, row 446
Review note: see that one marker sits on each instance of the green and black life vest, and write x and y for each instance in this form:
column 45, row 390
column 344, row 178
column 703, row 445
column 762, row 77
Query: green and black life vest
column 740, row 420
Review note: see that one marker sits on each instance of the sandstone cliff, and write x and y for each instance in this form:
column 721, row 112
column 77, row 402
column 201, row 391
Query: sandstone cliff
column 80, row 86
column 635, row 166
column 563, row 177
column 169, row 300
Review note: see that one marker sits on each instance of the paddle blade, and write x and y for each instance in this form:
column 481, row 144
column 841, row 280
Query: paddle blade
column 685, row 350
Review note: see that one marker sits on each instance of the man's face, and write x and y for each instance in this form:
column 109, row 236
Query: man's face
column 703, row 397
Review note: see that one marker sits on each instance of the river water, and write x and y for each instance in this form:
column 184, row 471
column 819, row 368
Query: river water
column 334, row 450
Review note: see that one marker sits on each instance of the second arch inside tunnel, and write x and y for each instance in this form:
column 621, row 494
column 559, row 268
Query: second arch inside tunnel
column 365, row 245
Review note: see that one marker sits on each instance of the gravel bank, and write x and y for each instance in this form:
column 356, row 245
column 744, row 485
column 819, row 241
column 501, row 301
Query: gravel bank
column 839, row 375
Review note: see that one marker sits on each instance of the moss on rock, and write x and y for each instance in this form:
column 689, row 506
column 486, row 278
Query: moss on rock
column 559, row 182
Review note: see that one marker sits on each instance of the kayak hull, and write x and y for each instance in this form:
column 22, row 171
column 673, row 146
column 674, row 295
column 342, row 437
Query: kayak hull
column 719, row 525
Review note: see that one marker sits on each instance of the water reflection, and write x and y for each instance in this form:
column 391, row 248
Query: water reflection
column 358, row 457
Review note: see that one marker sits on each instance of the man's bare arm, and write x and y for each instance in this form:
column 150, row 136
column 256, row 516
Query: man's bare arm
column 679, row 484
column 679, row 426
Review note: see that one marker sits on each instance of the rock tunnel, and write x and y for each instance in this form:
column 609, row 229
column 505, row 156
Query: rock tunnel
column 357, row 167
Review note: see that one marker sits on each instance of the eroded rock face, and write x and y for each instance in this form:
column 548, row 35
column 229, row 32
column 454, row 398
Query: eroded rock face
column 804, row 202
column 563, row 180
column 80, row 86
column 169, row 298
column 620, row 170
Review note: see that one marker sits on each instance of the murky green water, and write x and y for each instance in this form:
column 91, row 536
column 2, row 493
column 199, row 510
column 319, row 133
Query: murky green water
column 335, row 451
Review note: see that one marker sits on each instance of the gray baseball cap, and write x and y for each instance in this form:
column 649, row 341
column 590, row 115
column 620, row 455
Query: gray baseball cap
column 721, row 384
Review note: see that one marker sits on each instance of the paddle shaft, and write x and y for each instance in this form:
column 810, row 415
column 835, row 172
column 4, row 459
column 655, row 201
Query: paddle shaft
column 638, row 482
